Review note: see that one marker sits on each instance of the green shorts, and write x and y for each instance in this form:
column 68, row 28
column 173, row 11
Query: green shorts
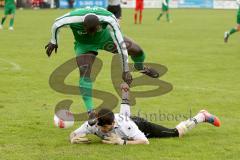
column 106, row 43
column 164, row 8
column 9, row 10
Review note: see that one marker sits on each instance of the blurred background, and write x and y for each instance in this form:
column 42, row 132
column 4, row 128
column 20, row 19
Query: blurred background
column 216, row 4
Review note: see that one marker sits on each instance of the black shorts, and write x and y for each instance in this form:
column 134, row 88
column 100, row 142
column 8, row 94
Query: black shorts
column 116, row 10
column 152, row 130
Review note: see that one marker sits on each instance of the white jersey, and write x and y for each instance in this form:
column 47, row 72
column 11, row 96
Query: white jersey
column 124, row 127
column 114, row 2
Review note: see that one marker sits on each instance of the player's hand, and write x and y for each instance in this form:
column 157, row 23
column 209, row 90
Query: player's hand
column 76, row 139
column 50, row 47
column 127, row 77
column 113, row 139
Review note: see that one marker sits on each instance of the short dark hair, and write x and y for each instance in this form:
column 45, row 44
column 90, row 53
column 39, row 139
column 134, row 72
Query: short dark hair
column 105, row 117
column 90, row 23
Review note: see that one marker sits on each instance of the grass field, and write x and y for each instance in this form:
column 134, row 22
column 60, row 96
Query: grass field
column 203, row 70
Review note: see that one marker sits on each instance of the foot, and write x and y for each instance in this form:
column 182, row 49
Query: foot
column 210, row 118
column 149, row 72
column 226, row 36
column 92, row 119
column 11, row 28
column 1, row 27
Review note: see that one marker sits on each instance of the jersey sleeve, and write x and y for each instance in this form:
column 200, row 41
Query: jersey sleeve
column 63, row 21
column 117, row 37
column 84, row 129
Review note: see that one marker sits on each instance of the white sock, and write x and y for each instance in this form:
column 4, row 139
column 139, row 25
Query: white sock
column 199, row 118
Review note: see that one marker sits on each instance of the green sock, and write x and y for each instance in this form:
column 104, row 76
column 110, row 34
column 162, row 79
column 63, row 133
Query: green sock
column 233, row 30
column 168, row 17
column 138, row 60
column 160, row 15
column 11, row 22
column 3, row 20
column 85, row 84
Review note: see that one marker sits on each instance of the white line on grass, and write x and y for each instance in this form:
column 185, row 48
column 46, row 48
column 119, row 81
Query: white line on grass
column 14, row 66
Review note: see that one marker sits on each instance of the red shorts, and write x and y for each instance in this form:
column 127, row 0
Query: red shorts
column 139, row 5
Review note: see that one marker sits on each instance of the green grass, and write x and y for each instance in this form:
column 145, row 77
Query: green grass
column 202, row 69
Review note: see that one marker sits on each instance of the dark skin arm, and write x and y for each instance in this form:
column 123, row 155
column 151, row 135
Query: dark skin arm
column 50, row 47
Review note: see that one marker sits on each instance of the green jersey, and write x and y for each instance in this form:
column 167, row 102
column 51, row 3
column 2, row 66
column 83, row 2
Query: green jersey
column 109, row 24
column 9, row 3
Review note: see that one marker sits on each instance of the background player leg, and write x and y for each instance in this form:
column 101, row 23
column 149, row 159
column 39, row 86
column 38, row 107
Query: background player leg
column 11, row 22
column 135, row 17
column 230, row 32
column 2, row 21
column 140, row 16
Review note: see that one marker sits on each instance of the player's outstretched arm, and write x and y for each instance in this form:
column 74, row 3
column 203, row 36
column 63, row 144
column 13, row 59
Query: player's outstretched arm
column 79, row 135
column 117, row 37
column 114, row 139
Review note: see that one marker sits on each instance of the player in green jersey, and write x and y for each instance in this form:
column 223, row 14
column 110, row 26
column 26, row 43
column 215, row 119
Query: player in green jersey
column 94, row 29
column 235, row 29
column 165, row 10
column 9, row 9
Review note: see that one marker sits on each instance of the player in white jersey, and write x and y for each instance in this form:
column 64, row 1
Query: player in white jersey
column 123, row 129
column 114, row 6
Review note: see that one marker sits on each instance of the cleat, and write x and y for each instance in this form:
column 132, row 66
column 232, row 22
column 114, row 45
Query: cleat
column 212, row 119
column 226, row 36
column 149, row 72
column 92, row 120
column 11, row 28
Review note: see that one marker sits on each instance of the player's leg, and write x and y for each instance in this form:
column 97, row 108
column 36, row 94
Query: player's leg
column 135, row 16
column 11, row 22
column 12, row 14
column 161, row 14
column 85, row 62
column 85, row 57
column 152, row 130
column 138, row 57
column 168, row 15
column 140, row 16
column 2, row 21
column 232, row 30
column 202, row 116
column 6, row 12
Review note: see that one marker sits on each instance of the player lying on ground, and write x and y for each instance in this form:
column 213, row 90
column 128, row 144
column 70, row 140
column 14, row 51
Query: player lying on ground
column 122, row 129
column 235, row 29
column 94, row 29
column 165, row 10
column 9, row 9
